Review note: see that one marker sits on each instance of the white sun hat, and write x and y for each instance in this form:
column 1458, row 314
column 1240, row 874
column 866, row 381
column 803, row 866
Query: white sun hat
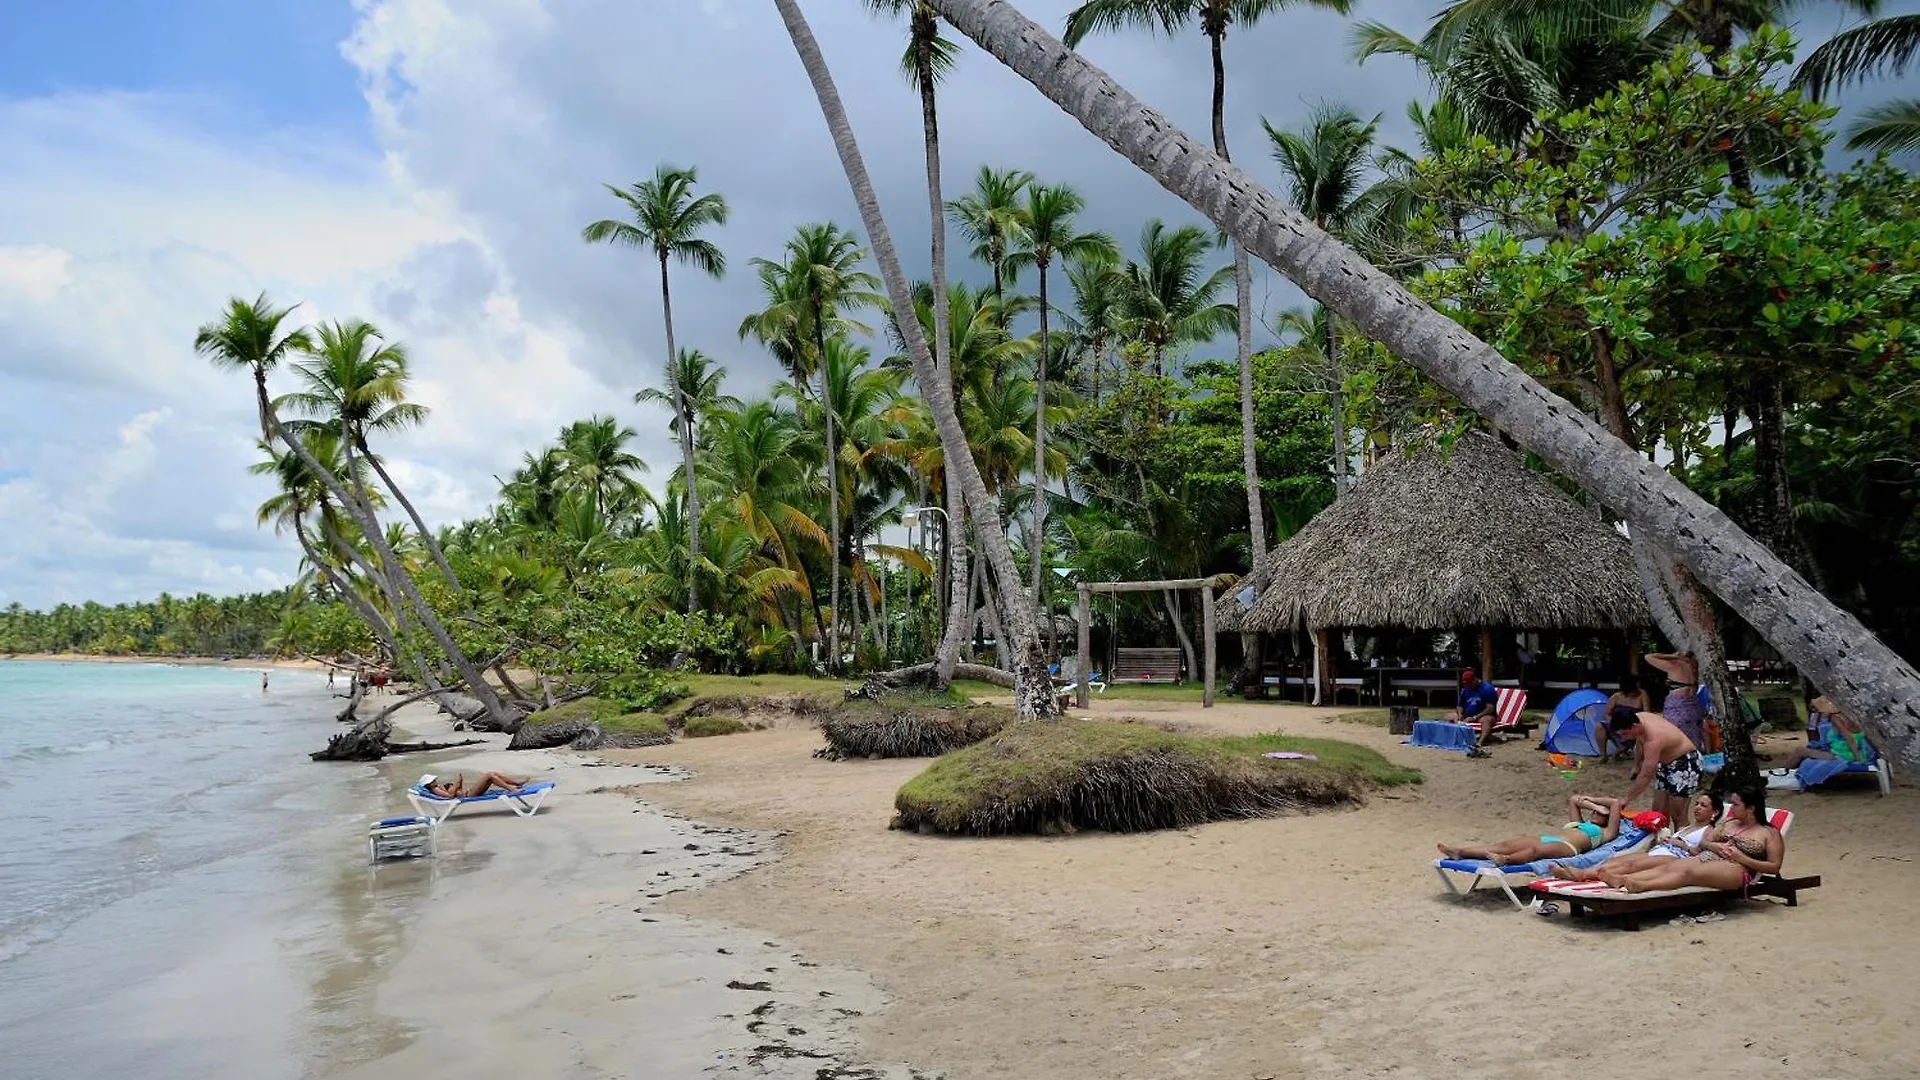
column 427, row 778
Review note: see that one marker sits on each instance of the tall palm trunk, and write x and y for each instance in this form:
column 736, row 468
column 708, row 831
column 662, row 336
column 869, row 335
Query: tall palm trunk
column 347, row 593
column 685, row 416
column 1337, row 406
column 1033, row 691
column 1828, row 645
column 426, row 535
column 953, row 632
column 402, row 583
column 1037, row 553
column 1242, row 330
column 833, row 498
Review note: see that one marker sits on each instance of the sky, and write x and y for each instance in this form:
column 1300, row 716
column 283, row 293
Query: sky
column 428, row 165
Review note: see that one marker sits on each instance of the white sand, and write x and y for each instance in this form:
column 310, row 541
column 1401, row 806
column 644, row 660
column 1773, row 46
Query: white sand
column 1312, row 946
column 537, row 947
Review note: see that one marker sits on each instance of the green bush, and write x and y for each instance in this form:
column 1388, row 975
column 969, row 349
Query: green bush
column 1061, row 775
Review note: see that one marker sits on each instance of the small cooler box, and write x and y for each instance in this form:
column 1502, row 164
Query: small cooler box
column 399, row 838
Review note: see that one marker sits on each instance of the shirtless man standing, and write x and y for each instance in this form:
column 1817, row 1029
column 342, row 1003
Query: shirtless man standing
column 1662, row 756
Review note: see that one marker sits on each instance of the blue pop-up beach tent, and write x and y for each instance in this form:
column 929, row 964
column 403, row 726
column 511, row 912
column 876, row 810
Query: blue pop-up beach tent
column 1578, row 725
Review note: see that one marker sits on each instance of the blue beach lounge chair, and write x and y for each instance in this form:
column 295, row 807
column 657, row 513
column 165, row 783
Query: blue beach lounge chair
column 1631, row 841
column 524, row 802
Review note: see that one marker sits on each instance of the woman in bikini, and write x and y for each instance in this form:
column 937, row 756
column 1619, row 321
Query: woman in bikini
column 1738, row 850
column 458, row 788
column 1682, row 844
column 1595, row 821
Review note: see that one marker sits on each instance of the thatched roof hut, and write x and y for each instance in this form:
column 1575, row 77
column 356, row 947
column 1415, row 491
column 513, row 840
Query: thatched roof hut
column 1449, row 539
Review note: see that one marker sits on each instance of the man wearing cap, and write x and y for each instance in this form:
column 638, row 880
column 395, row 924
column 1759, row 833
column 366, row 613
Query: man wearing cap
column 1663, row 757
column 1477, row 703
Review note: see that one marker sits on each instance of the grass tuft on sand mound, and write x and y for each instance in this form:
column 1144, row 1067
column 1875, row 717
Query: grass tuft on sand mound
column 1059, row 776
column 702, row 727
column 908, row 725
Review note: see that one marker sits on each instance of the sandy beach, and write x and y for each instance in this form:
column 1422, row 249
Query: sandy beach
column 1305, row 946
column 544, row 946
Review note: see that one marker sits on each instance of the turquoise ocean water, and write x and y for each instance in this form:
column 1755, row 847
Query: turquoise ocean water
column 172, row 870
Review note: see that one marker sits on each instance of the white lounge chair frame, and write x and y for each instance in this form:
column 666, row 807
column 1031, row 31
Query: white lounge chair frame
column 524, row 802
column 1506, row 881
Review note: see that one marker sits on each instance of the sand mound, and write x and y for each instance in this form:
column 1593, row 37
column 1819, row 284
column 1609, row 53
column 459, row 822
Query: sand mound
column 1062, row 775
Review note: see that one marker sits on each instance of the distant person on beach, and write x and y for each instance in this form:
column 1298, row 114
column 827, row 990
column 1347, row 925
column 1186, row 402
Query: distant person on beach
column 1476, row 703
column 1682, row 705
column 1663, row 757
column 1844, row 738
column 1630, row 695
column 263, row 682
column 1595, row 821
column 458, row 788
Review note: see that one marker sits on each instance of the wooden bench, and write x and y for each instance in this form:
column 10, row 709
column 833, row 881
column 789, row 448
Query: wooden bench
column 1146, row 666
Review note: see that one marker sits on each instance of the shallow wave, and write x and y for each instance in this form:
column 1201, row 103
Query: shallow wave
column 45, row 753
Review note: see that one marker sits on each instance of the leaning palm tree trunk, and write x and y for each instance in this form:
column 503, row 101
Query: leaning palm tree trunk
column 1826, row 644
column 398, row 578
column 685, row 416
column 1033, row 692
column 955, row 519
column 420, row 526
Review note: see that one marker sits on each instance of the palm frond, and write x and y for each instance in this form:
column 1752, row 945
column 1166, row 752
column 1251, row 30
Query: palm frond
column 1883, row 47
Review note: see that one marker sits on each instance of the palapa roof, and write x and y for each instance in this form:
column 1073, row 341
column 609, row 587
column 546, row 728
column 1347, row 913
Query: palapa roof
column 1451, row 539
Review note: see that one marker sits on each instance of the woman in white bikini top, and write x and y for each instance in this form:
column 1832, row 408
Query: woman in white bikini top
column 1703, row 813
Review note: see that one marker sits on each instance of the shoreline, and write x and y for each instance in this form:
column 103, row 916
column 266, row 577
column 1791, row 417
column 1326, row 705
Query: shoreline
column 240, row 663
column 544, row 945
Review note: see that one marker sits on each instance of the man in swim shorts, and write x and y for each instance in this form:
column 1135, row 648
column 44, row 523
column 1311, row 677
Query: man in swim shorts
column 1663, row 757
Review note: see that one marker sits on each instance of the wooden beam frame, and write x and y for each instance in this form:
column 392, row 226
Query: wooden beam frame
column 1083, row 631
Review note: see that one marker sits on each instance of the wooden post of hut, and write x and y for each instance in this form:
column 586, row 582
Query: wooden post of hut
column 1486, row 653
column 1322, row 667
column 1206, row 623
column 1083, row 615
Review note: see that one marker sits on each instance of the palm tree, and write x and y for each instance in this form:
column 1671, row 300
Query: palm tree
column 928, row 57
column 1033, row 694
column 250, row 338
column 1825, row 643
column 302, row 493
column 1167, row 300
column 989, row 215
column 1325, row 163
column 810, row 295
column 1215, row 17
column 697, row 380
column 1048, row 231
column 1881, row 48
column 667, row 219
column 359, row 381
column 595, row 457
column 1099, row 313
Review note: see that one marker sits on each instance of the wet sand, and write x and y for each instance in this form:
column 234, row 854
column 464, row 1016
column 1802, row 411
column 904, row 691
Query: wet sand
column 542, row 946
column 1309, row 946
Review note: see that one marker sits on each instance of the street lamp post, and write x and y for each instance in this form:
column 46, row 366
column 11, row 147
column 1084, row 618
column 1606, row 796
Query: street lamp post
column 911, row 518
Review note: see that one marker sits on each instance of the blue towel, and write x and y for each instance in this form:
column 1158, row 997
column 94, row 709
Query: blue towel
column 1440, row 735
column 1816, row 771
column 1629, row 836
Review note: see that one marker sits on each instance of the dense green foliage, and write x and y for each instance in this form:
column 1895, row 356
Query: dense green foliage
column 1633, row 204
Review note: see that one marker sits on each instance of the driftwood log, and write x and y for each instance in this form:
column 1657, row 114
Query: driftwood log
column 924, row 677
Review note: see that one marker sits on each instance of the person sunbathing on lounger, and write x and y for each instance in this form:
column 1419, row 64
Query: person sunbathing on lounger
column 1682, row 844
column 1738, row 850
column 458, row 788
column 1595, row 822
column 1845, row 739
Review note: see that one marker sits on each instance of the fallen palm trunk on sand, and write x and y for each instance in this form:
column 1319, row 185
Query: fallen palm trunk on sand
column 926, row 678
